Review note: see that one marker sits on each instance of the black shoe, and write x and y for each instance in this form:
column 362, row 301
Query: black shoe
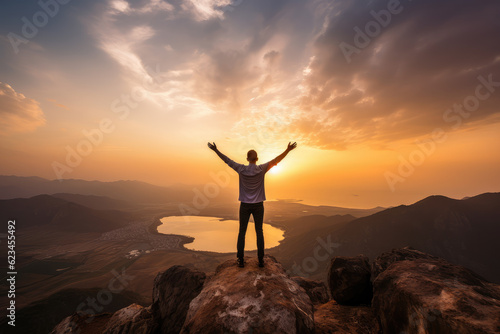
column 261, row 263
column 241, row 263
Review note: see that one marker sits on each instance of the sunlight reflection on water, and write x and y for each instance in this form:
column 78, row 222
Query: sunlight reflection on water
column 216, row 235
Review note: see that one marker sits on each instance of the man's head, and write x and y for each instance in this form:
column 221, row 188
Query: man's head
column 252, row 156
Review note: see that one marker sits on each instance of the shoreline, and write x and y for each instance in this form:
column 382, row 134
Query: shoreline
column 153, row 229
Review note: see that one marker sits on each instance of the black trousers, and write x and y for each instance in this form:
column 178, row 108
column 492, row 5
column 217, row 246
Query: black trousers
column 257, row 210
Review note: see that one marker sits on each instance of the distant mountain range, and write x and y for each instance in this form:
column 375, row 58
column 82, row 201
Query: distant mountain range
column 50, row 212
column 130, row 191
column 464, row 232
column 126, row 194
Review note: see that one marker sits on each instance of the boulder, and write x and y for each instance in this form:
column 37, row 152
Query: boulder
column 349, row 280
column 316, row 290
column 173, row 290
column 434, row 296
column 81, row 324
column 250, row 300
column 131, row 319
column 382, row 262
column 341, row 319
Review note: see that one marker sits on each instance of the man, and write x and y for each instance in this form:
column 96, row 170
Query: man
column 252, row 196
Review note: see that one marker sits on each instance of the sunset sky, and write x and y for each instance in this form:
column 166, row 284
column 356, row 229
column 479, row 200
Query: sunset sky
column 389, row 101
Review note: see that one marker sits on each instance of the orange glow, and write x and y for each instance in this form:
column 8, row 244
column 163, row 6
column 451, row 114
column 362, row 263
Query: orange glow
column 276, row 169
column 166, row 92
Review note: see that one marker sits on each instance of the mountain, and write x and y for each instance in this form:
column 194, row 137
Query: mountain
column 283, row 206
column 129, row 191
column 301, row 239
column 49, row 212
column 125, row 195
column 412, row 293
column 95, row 202
column 463, row 231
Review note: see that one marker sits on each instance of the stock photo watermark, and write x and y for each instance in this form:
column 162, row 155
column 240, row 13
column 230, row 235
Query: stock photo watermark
column 372, row 29
column 122, row 107
column 93, row 305
column 221, row 179
column 322, row 252
column 453, row 116
column 211, row 190
column 11, row 271
column 31, row 26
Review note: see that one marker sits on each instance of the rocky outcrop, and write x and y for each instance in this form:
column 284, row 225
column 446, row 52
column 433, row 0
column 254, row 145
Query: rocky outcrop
column 172, row 292
column 316, row 290
column 349, row 280
column 81, row 324
column 413, row 292
column 433, row 296
column 250, row 299
column 340, row 319
column 382, row 262
column 131, row 319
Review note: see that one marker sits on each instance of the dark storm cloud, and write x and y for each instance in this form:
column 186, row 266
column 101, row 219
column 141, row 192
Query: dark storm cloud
column 398, row 82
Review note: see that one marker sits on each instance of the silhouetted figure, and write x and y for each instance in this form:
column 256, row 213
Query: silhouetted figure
column 252, row 196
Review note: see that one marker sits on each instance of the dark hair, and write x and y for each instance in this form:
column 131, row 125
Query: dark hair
column 251, row 154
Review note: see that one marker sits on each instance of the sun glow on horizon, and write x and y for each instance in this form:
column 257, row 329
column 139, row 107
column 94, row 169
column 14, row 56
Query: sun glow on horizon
column 366, row 137
column 276, row 169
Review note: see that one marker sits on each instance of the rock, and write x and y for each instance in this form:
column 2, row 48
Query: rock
column 434, row 296
column 131, row 319
column 382, row 262
column 173, row 290
column 316, row 290
column 340, row 319
column 250, row 300
column 349, row 280
column 82, row 324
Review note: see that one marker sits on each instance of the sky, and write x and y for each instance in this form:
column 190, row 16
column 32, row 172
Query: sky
column 389, row 101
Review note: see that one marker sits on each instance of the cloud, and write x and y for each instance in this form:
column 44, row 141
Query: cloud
column 206, row 9
column 278, row 66
column 209, row 62
column 17, row 112
column 59, row 105
column 427, row 58
column 123, row 6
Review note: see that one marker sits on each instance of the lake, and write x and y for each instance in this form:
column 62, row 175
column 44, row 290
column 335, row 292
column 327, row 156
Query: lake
column 216, row 235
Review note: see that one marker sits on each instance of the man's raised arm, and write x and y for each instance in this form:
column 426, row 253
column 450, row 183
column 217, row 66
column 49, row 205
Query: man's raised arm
column 236, row 166
column 280, row 157
column 214, row 148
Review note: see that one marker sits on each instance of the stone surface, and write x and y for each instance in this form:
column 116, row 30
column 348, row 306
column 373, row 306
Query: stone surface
column 250, row 300
column 82, row 324
column 349, row 280
column 382, row 262
column 316, row 290
column 413, row 293
column 131, row 319
column 341, row 319
column 434, row 296
column 173, row 290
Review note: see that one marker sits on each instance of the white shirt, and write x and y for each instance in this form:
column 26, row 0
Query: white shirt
column 251, row 180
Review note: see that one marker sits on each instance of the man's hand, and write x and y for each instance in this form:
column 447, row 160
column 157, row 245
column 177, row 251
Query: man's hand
column 291, row 146
column 212, row 146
